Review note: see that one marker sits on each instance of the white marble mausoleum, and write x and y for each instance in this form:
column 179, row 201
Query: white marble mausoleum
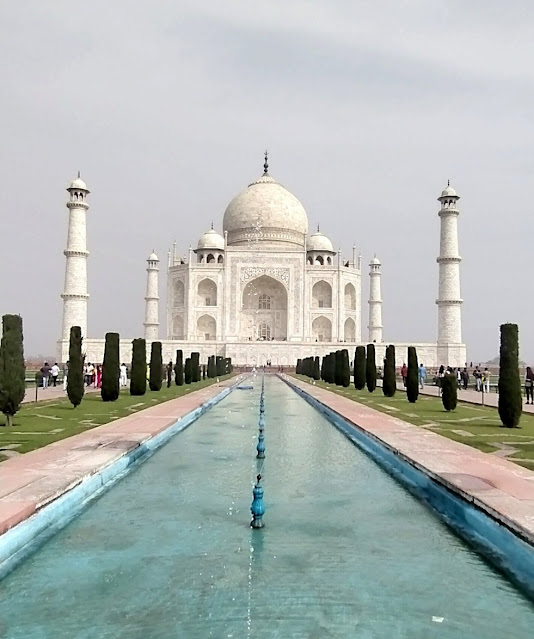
column 265, row 288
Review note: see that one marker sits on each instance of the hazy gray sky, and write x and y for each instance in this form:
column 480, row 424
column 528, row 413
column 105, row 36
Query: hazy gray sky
column 367, row 108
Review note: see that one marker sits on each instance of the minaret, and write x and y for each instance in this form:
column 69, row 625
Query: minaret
column 375, row 301
column 75, row 290
column 152, row 298
column 449, row 301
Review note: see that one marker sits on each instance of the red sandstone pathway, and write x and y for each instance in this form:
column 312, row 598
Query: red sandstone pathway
column 29, row 482
column 502, row 488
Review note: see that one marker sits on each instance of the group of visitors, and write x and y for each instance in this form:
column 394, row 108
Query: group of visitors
column 49, row 374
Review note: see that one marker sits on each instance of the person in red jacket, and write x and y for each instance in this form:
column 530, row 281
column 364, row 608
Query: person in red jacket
column 404, row 373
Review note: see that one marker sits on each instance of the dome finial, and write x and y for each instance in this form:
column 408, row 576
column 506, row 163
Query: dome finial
column 212, row 226
column 448, row 182
column 318, row 229
column 266, row 163
column 79, row 176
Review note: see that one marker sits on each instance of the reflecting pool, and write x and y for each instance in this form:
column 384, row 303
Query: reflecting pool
column 346, row 552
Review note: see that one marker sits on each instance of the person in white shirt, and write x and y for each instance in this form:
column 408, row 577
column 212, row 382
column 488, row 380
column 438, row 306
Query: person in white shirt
column 486, row 380
column 54, row 372
column 123, row 375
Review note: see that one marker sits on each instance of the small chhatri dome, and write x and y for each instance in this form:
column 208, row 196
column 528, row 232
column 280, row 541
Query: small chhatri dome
column 265, row 212
column 319, row 242
column 78, row 183
column 211, row 240
column 153, row 257
column 448, row 191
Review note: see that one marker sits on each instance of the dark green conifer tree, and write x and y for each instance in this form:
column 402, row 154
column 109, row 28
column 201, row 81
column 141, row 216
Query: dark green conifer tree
column 412, row 379
column 156, row 367
column 212, row 371
column 316, row 368
column 75, row 381
column 449, row 392
column 168, row 371
column 389, row 383
column 12, row 369
column 331, row 368
column 345, row 368
column 138, row 372
column 111, row 368
column 195, row 367
column 188, row 371
column 219, row 365
column 510, row 400
column 359, row 368
column 338, row 371
column 370, row 368
column 299, row 364
column 179, row 368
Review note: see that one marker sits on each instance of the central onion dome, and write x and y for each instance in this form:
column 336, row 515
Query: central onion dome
column 265, row 212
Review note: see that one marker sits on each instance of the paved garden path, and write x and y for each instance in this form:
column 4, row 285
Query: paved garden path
column 500, row 487
column 29, row 482
column 51, row 392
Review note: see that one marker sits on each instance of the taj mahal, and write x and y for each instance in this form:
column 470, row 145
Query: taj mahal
column 266, row 289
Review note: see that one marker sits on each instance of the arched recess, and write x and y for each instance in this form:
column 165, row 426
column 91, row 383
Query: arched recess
column 220, row 259
column 350, row 297
column 264, row 310
column 178, row 327
column 178, row 294
column 322, row 295
column 322, row 329
column 350, row 330
column 206, row 328
column 210, row 259
column 207, row 293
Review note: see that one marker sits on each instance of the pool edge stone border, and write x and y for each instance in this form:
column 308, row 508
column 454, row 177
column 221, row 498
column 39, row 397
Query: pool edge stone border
column 23, row 539
column 503, row 542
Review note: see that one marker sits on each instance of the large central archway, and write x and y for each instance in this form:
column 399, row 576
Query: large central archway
column 263, row 310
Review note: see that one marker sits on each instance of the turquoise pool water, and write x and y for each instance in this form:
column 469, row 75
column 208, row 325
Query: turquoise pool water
column 346, row 552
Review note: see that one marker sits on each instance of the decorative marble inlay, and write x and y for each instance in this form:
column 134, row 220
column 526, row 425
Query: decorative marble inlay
column 251, row 273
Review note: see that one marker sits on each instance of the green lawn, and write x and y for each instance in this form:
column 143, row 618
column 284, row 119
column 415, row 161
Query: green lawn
column 44, row 422
column 477, row 426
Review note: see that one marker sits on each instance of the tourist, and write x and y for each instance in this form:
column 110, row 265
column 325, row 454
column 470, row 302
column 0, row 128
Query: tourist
column 465, row 378
column 65, row 373
column 169, row 374
column 529, row 385
column 459, row 377
column 45, row 372
column 422, row 376
column 123, row 375
column 54, row 372
column 486, row 380
column 99, row 376
column 90, row 378
column 478, row 378
column 404, row 373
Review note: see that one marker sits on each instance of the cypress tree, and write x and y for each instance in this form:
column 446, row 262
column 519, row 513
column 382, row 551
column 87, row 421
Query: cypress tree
column 370, row 368
column 230, row 365
column 345, row 368
column 219, row 365
column 111, row 368
column 188, row 371
column 211, row 367
column 338, row 370
column 12, row 369
column 299, row 364
column 138, row 374
column 449, row 392
column 75, row 386
column 203, row 371
column 156, row 367
column 179, row 368
column 195, row 367
column 412, row 380
column 323, row 367
column 359, row 368
column 331, row 368
column 389, row 383
column 510, row 401
column 316, row 368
